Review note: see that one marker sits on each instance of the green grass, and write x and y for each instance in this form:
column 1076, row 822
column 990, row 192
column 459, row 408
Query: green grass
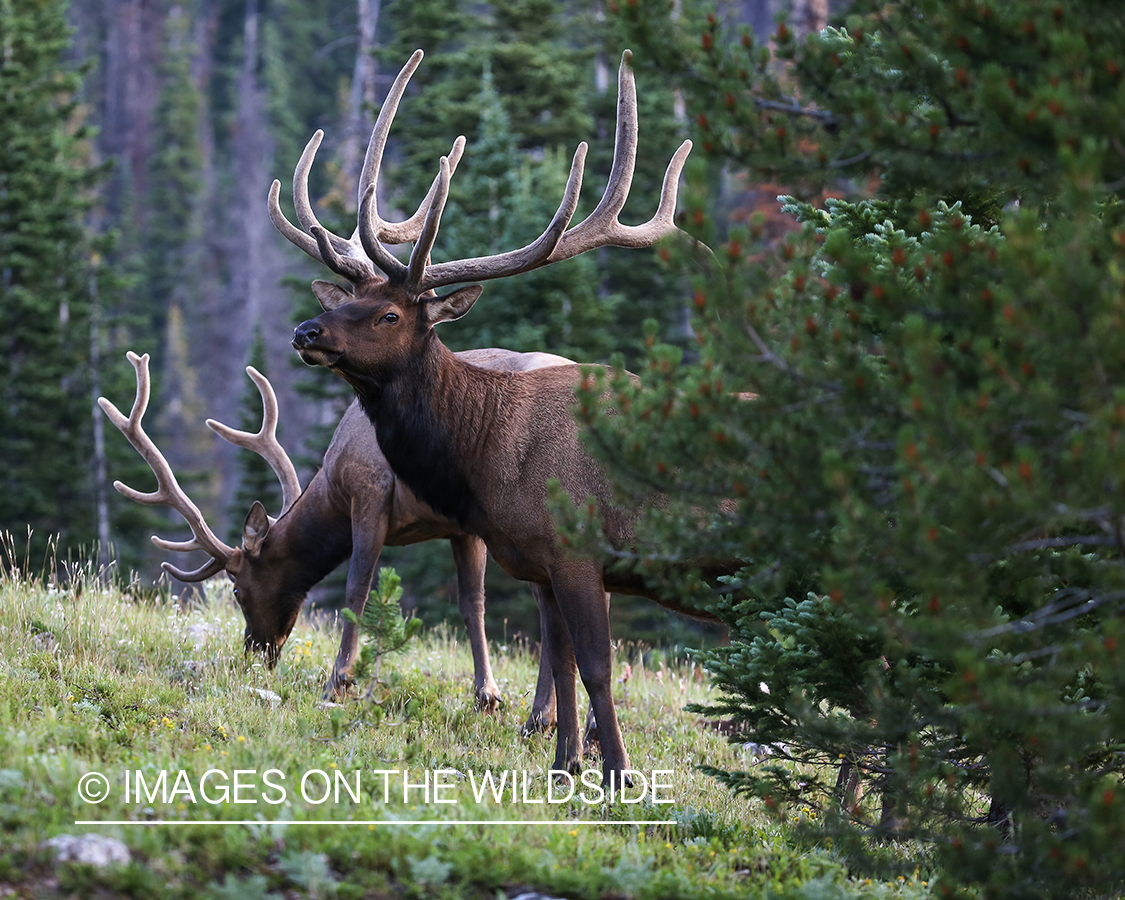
column 92, row 680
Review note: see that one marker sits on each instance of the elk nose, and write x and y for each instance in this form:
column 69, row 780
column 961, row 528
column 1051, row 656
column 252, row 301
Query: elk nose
column 306, row 333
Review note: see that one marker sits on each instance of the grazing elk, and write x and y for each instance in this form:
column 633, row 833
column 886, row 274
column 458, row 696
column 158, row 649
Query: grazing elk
column 353, row 506
column 480, row 446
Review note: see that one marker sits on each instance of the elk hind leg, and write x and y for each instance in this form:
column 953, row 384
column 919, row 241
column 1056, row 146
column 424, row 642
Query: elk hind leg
column 582, row 603
column 542, row 715
column 557, row 643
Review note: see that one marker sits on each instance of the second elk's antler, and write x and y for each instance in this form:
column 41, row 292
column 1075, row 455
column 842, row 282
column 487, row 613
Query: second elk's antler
column 358, row 257
column 168, row 491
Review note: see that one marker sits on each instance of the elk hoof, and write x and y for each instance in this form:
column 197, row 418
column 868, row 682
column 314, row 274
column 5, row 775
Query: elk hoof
column 488, row 699
column 338, row 685
column 539, row 722
column 620, row 781
column 571, row 763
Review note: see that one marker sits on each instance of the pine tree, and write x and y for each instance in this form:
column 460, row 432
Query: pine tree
column 45, row 434
column 905, row 421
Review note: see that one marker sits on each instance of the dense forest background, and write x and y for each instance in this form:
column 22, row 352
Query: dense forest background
column 168, row 121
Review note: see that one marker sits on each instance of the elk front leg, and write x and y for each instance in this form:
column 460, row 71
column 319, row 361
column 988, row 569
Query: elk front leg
column 470, row 555
column 368, row 533
column 542, row 716
column 582, row 603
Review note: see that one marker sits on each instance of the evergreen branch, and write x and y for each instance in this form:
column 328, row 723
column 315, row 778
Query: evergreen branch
column 1054, row 613
column 767, row 354
column 1067, row 541
column 793, row 108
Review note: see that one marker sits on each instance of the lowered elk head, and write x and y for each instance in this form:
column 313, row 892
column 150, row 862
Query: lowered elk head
column 257, row 567
column 381, row 319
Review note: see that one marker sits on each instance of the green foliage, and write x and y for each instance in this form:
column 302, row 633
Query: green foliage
column 924, row 485
column 521, row 42
column 45, row 435
column 382, row 626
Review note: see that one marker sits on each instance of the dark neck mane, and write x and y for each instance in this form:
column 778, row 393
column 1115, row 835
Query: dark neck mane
column 413, row 435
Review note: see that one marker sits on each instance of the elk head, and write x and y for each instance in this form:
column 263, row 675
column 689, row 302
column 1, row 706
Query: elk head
column 256, row 572
column 382, row 319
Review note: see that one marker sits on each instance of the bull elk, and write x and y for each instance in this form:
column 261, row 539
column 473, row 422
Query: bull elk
column 479, row 446
column 353, row 506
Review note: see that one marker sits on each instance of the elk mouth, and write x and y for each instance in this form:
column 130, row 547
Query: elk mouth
column 309, row 341
column 318, row 356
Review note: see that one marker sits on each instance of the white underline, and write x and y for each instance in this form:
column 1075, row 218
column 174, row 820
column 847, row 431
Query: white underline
column 444, row 822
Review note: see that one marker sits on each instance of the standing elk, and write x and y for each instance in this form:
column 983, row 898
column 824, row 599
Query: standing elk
column 353, row 506
column 480, row 446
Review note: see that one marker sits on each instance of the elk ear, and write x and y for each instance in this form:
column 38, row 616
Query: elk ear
column 452, row 306
column 256, row 528
column 330, row 295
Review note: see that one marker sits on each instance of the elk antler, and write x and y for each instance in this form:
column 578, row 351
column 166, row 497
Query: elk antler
column 265, row 442
column 600, row 229
column 168, row 492
column 353, row 258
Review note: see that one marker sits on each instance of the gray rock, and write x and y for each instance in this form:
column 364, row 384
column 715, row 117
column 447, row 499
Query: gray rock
column 93, row 849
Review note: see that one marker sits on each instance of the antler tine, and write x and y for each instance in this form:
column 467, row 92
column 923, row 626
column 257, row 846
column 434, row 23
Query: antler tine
column 602, row 228
column 535, row 254
column 420, row 255
column 373, row 160
column 205, row 571
column 168, row 492
column 288, row 230
column 408, row 230
column 372, row 229
column 265, row 442
column 344, row 257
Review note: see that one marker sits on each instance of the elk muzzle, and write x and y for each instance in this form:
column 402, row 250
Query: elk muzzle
column 309, row 342
column 270, row 651
column 306, row 334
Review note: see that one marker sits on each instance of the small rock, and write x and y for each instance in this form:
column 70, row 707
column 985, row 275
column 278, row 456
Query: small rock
column 531, row 895
column 93, row 849
column 267, row 696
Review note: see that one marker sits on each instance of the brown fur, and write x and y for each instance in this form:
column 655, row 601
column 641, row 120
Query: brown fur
column 354, row 504
column 500, row 436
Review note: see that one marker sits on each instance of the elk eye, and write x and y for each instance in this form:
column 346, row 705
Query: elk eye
column 390, row 318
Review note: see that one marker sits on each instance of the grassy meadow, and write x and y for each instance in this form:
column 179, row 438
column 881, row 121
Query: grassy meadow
column 95, row 680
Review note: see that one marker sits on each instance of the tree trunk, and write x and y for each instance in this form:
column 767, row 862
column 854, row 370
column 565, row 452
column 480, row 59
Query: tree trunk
column 361, row 97
column 101, row 501
column 809, row 17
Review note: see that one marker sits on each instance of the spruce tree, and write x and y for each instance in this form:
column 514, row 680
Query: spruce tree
column 45, row 433
column 904, row 421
